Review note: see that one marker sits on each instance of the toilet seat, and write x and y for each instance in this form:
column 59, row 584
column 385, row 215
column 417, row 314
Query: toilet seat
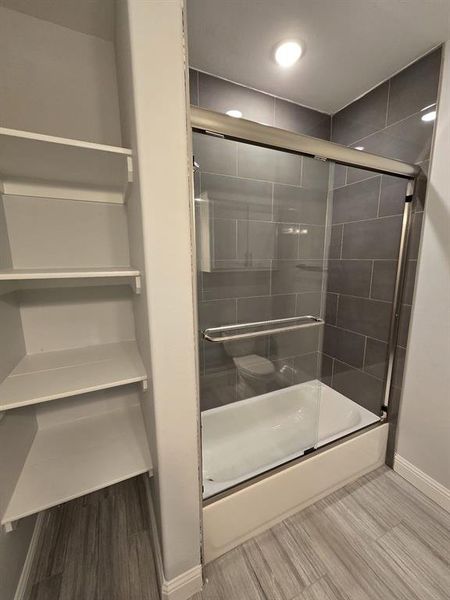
column 254, row 365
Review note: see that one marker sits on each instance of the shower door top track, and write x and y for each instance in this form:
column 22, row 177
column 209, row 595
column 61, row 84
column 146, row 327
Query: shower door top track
column 213, row 123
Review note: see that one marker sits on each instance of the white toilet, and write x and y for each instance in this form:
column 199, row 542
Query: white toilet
column 256, row 374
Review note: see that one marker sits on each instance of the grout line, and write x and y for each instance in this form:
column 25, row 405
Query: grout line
column 379, row 199
column 342, row 242
column 302, row 161
column 388, row 127
column 371, row 278
column 355, row 182
column 247, row 87
column 415, row 60
column 198, row 88
column 387, row 103
column 292, row 185
column 364, row 353
column 355, row 368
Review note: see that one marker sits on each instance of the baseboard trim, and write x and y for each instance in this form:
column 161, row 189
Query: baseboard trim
column 185, row 585
column 24, row 580
column 423, row 482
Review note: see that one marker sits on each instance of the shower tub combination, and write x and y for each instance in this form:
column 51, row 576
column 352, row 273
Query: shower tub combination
column 249, row 437
column 270, row 446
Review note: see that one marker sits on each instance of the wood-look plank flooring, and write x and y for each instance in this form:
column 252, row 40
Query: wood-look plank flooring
column 376, row 539
column 97, row 547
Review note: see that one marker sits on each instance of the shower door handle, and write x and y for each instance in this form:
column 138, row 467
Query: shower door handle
column 242, row 331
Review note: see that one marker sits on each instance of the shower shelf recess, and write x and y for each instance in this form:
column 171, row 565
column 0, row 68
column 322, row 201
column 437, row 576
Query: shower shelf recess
column 38, row 165
column 72, row 459
column 47, row 376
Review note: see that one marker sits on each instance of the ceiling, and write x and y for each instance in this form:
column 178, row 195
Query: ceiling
column 350, row 45
column 94, row 17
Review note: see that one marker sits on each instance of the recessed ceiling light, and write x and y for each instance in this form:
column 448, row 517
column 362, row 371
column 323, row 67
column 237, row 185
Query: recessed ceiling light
column 359, row 147
column 234, row 113
column 429, row 116
column 288, row 53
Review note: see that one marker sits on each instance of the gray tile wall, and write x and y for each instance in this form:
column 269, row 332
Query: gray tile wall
column 267, row 221
column 265, row 266
column 365, row 233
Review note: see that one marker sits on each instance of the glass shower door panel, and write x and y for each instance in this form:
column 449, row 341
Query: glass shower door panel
column 260, row 229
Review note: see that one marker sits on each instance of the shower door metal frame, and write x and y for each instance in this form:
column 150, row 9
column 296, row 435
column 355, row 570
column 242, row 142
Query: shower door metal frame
column 250, row 132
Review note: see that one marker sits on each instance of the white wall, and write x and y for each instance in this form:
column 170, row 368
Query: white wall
column 13, row 550
column 151, row 72
column 424, row 426
column 56, row 81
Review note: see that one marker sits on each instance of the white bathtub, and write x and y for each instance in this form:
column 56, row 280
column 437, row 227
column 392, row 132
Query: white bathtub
column 246, row 438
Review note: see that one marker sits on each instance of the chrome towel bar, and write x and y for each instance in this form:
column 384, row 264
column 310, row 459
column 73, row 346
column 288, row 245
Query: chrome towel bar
column 243, row 331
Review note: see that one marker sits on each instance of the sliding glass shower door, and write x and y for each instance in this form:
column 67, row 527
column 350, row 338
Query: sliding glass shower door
column 292, row 347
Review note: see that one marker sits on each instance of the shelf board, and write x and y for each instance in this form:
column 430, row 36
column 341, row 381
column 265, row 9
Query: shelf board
column 64, row 273
column 75, row 458
column 51, row 375
column 33, row 164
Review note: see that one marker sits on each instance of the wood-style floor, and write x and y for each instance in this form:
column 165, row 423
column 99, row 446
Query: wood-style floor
column 376, row 539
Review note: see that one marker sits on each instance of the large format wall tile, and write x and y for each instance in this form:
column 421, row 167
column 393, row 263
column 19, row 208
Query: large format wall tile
column 368, row 317
column 375, row 238
column 255, row 239
column 215, row 313
column 349, row 277
column 375, row 358
column 392, row 197
column 306, row 368
column 294, row 343
column 300, row 119
column 415, row 88
column 287, row 240
column 265, row 308
column 299, row 205
column 408, row 140
column 357, row 201
column 358, row 386
column 235, row 284
column 309, row 304
column 215, row 155
column 312, row 238
column 220, row 96
column 335, row 246
column 292, row 276
column 344, row 345
column 359, row 119
column 224, row 239
column 273, row 165
column 235, row 198
column 193, row 87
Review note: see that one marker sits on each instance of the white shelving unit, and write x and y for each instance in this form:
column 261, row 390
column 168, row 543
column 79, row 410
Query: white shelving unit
column 52, row 375
column 33, row 164
column 75, row 458
column 70, row 419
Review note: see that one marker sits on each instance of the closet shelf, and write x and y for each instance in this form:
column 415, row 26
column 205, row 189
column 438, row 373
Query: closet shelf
column 64, row 273
column 51, row 375
column 75, row 458
column 21, row 276
column 33, row 164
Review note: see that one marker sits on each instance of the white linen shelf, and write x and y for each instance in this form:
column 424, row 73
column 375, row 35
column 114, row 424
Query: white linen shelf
column 38, row 165
column 49, row 376
column 71, row 459
column 22, row 277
